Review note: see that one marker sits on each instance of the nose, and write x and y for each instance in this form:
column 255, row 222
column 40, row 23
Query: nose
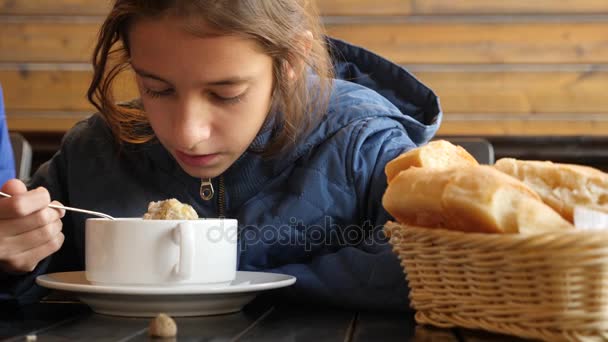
column 192, row 124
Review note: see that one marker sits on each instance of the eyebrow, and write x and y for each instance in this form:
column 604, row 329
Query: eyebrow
column 146, row 74
column 236, row 80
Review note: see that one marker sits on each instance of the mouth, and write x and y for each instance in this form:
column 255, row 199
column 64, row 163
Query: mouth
column 197, row 160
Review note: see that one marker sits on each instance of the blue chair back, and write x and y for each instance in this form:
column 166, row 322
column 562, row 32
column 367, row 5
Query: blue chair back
column 7, row 164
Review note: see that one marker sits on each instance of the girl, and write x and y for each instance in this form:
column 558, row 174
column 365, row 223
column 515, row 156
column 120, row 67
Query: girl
column 245, row 111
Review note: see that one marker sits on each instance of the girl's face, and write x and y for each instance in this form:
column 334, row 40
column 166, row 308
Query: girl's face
column 206, row 98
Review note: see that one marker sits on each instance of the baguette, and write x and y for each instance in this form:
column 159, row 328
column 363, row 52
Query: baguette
column 561, row 186
column 470, row 199
column 438, row 154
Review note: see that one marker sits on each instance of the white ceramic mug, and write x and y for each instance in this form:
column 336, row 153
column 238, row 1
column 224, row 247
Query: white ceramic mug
column 133, row 251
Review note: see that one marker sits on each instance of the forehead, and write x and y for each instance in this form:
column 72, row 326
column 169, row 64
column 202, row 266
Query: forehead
column 165, row 45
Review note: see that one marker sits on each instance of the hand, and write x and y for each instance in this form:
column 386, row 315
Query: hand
column 30, row 231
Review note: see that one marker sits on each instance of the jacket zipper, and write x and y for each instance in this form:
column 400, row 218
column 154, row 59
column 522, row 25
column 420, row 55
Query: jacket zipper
column 207, row 192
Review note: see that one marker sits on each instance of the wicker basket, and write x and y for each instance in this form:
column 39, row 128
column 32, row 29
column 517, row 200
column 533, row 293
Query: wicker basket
column 548, row 286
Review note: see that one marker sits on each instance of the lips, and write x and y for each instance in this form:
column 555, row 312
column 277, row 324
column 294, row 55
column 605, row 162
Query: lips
column 197, row 160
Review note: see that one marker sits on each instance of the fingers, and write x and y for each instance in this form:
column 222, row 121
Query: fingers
column 26, row 261
column 14, row 187
column 35, row 221
column 29, row 230
column 31, row 239
column 23, row 203
column 60, row 211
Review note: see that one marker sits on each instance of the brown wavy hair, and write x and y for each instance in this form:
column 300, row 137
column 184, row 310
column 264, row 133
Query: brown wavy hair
column 276, row 25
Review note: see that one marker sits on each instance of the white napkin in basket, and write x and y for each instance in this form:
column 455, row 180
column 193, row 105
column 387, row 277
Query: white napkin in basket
column 586, row 218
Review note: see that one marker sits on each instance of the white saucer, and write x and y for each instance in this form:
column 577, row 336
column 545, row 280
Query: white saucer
column 148, row 301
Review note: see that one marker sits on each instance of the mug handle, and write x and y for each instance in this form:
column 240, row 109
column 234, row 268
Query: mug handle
column 183, row 235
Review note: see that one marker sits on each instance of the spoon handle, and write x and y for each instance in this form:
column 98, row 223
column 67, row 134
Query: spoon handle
column 55, row 206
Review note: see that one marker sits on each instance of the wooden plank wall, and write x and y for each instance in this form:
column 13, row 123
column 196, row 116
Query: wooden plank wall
column 501, row 68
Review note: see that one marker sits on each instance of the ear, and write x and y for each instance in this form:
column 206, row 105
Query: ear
column 304, row 44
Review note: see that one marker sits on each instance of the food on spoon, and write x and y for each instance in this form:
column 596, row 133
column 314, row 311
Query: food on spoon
column 561, row 186
column 170, row 209
column 438, row 154
column 162, row 326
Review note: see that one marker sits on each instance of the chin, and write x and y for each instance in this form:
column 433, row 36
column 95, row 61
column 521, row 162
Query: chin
column 206, row 172
column 202, row 173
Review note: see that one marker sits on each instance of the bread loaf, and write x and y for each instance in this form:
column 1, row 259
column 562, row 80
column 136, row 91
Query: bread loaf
column 438, row 154
column 470, row 199
column 561, row 186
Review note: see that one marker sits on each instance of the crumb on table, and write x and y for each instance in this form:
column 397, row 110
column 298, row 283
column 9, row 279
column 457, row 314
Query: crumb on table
column 162, row 326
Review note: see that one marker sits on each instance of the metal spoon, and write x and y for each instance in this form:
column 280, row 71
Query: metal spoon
column 94, row 213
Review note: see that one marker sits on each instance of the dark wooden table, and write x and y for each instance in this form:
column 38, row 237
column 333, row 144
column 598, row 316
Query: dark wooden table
column 259, row 321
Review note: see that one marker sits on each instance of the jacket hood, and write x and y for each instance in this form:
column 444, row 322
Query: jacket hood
column 417, row 107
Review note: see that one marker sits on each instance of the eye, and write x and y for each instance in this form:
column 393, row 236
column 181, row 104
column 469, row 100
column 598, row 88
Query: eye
column 228, row 100
column 158, row 93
